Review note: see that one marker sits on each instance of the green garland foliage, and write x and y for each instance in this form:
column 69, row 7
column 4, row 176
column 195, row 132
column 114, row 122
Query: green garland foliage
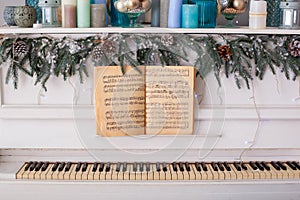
column 242, row 57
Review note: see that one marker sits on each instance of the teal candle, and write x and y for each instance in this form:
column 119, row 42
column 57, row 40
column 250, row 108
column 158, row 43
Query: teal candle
column 189, row 16
column 83, row 13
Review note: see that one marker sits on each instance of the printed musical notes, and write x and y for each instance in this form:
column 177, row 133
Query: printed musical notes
column 157, row 101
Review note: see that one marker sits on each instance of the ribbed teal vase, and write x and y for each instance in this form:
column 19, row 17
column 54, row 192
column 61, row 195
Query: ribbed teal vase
column 273, row 9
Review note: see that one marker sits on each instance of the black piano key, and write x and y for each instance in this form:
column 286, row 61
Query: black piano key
column 243, row 166
column 221, row 167
column 174, row 167
column 134, row 168
column 95, row 167
column 55, row 166
column 84, row 167
column 148, row 168
column 204, row 166
column 107, row 168
column 78, row 167
column 214, row 166
column 266, row 166
column 259, row 166
column 118, row 167
column 141, row 167
column 124, row 167
column 164, row 167
column 45, row 166
column 181, row 167
column 227, row 167
column 282, row 165
column 198, row 168
column 101, row 168
column 187, row 166
column 253, row 165
column 290, row 164
column 62, row 166
column 68, row 166
column 296, row 165
column 38, row 166
column 28, row 166
column 32, row 167
column 158, row 167
column 274, row 164
column 237, row 166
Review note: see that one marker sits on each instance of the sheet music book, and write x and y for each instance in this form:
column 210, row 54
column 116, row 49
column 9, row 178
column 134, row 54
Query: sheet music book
column 156, row 100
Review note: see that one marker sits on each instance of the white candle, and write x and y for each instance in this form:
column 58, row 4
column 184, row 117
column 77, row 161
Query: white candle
column 258, row 15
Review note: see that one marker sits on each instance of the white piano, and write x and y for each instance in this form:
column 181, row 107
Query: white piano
column 233, row 126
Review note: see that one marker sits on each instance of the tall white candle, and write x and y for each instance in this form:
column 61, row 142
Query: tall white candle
column 258, row 15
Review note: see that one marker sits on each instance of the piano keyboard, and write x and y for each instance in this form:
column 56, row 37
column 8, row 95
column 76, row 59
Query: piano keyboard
column 159, row 171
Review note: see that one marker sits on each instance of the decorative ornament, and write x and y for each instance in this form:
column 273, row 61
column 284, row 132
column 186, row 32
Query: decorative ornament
column 224, row 52
column 20, row 49
column 239, row 4
column 294, row 48
column 120, row 6
column 167, row 40
column 223, row 4
column 146, row 4
column 98, row 53
column 133, row 4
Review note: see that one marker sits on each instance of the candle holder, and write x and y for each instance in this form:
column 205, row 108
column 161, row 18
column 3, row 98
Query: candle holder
column 133, row 9
column 231, row 8
column 50, row 12
column 25, row 16
column 290, row 14
column 34, row 3
column 8, row 15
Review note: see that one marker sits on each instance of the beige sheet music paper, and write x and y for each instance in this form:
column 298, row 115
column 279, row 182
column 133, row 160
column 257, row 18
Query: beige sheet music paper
column 157, row 101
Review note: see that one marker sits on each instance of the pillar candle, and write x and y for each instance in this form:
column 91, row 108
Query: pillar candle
column 102, row 2
column 70, row 19
column 155, row 13
column 98, row 15
column 258, row 15
column 63, row 3
column 83, row 14
column 174, row 17
column 164, row 12
column 189, row 16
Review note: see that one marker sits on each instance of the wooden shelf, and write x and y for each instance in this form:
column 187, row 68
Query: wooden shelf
column 240, row 30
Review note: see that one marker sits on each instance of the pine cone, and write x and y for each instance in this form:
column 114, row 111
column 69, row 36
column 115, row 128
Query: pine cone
column 108, row 47
column 167, row 40
column 225, row 52
column 294, row 48
column 20, row 49
column 97, row 53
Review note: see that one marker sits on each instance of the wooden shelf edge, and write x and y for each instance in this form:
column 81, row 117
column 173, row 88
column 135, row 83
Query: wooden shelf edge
column 240, row 30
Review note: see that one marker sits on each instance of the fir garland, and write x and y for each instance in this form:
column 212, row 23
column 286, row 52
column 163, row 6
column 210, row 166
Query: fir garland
column 234, row 55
